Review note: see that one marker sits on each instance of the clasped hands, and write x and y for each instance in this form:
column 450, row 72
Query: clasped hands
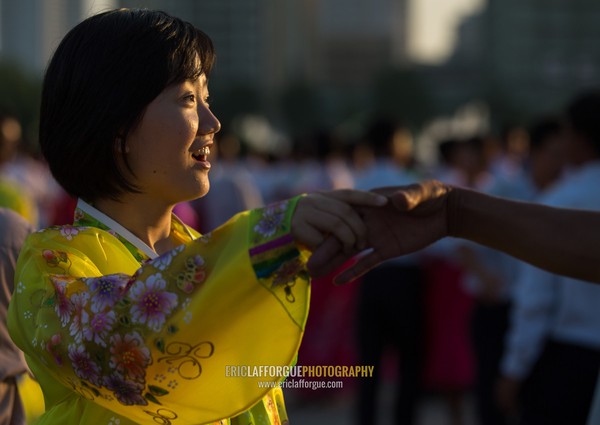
column 374, row 226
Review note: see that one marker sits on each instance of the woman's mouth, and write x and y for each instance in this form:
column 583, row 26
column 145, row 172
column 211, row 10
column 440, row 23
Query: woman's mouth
column 202, row 154
column 201, row 157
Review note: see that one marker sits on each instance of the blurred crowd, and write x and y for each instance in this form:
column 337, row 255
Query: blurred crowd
column 453, row 320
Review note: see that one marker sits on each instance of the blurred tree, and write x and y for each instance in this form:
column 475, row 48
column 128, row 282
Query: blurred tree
column 234, row 100
column 402, row 94
column 504, row 109
column 301, row 108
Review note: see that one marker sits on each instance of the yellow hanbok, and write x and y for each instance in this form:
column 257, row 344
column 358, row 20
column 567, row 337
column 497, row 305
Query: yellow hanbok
column 115, row 336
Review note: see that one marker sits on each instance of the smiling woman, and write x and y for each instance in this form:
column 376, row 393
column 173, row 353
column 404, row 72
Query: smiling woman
column 168, row 147
column 129, row 316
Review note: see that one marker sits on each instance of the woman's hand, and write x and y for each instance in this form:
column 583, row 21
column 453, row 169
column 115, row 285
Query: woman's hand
column 415, row 218
column 324, row 214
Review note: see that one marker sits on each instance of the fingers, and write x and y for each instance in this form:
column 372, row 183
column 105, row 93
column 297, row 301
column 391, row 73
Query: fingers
column 365, row 262
column 331, row 266
column 344, row 214
column 358, row 197
column 324, row 253
column 308, row 235
column 327, row 258
column 312, row 229
column 330, row 213
column 343, row 222
column 403, row 198
column 410, row 197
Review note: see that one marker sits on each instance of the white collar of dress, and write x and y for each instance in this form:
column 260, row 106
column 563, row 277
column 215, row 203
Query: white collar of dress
column 115, row 226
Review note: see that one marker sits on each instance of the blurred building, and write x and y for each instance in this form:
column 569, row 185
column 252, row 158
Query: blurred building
column 326, row 50
column 541, row 51
column 270, row 42
column 30, row 30
column 523, row 58
column 237, row 27
column 357, row 38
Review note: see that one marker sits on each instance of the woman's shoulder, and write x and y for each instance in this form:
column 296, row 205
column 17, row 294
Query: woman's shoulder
column 85, row 243
column 80, row 241
column 68, row 233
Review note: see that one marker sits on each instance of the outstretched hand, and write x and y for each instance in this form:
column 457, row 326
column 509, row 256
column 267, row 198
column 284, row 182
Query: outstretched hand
column 334, row 214
column 415, row 218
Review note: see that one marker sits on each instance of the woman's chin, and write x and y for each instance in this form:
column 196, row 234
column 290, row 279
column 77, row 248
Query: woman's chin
column 203, row 190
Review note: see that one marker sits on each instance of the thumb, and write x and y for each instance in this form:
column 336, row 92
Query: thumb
column 428, row 195
column 408, row 197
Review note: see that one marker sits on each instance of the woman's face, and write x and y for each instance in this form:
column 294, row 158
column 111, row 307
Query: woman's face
column 168, row 150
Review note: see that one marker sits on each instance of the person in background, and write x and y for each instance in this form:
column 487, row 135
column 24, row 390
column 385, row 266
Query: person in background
column 555, row 319
column 12, row 194
column 490, row 274
column 13, row 369
column 449, row 362
column 20, row 396
column 389, row 313
column 513, row 146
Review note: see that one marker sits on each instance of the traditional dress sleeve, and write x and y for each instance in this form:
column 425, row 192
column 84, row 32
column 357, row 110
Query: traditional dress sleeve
column 155, row 343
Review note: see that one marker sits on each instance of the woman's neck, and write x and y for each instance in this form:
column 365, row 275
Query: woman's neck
column 149, row 221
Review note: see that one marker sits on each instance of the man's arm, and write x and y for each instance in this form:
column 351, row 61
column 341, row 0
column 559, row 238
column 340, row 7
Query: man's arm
column 558, row 240
column 562, row 241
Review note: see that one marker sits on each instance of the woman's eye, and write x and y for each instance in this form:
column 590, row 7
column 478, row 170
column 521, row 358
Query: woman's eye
column 190, row 98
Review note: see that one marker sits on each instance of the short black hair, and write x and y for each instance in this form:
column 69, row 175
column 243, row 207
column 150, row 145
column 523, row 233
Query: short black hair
column 583, row 115
column 96, row 88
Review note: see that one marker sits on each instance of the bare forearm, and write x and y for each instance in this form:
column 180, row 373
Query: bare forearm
column 558, row 240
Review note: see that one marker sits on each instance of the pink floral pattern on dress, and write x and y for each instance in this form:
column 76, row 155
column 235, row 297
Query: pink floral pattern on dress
column 151, row 303
column 129, row 356
column 80, row 316
column 100, row 327
column 165, row 260
column 126, row 391
column 94, row 316
column 68, row 232
column 51, row 347
column 106, row 291
column 62, row 305
column 83, row 365
column 272, row 219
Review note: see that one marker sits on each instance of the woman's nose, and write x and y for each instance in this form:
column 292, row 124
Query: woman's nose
column 209, row 123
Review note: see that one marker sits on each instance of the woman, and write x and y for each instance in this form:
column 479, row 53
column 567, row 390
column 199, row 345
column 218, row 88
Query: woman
column 128, row 316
